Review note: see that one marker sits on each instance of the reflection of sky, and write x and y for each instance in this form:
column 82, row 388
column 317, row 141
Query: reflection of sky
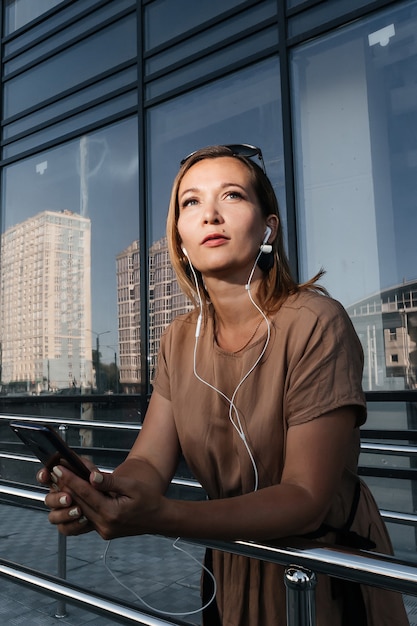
column 355, row 155
column 242, row 108
column 112, row 189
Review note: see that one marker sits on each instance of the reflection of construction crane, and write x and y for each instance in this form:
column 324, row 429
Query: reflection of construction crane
column 87, row 169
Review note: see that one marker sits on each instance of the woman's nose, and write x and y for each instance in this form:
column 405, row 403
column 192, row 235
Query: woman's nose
column 211, row 214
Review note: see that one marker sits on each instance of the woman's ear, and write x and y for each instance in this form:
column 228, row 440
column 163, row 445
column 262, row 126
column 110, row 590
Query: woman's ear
column 273, row 222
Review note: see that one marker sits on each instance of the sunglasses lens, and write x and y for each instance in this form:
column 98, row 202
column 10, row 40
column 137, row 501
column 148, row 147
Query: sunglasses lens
column 238, row 149
column 244, row 150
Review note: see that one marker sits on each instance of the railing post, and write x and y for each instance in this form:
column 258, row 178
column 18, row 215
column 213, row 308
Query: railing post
column 61, row 609
column 300, row 584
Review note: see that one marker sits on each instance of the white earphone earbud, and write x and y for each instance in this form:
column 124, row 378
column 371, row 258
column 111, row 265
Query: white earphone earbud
column 266, row 248
column 185, row 252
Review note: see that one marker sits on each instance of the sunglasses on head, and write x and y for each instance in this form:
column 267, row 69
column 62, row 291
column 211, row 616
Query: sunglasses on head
column 238, row 149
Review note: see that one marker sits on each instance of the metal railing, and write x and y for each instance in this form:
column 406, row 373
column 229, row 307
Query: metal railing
column 302, row 559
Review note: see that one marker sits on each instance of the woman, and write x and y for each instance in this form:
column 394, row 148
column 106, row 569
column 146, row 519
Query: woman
column 260, row 388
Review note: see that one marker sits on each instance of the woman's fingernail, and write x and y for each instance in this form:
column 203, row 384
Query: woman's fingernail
column 73, row 512
column 57, row 471
column 63, row 500
column 54, row 478
column 83, row 519
column 97, row 477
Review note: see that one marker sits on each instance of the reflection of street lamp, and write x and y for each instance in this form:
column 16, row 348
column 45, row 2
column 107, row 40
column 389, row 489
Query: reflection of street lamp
column 116, row 371
column 98, row 335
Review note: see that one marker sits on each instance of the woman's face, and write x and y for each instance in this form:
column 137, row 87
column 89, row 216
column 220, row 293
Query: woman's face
column 220, row 222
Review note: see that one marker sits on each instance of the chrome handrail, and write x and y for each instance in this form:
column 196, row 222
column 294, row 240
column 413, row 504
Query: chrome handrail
column 390, row 572
column 301, row 557
column 309, row 557
column 119, row 611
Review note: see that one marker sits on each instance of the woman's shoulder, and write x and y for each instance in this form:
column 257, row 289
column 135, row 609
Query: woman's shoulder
column 314, row 303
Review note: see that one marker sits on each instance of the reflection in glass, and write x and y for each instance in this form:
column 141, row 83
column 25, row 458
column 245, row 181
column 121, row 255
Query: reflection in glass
column 202, row 41
column 355, row 171
column 46, row 302
column 242, row 108
column 68, row 213
column 162, row 23
column 45, row 46
column 83, row 61
column 20, row 12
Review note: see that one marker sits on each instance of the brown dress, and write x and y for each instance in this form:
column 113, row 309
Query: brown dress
column 312, row 365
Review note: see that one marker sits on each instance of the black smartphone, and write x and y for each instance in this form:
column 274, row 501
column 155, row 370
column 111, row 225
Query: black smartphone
column 49, row 447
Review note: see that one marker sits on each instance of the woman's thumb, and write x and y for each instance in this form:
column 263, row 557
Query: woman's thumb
column 100, row 480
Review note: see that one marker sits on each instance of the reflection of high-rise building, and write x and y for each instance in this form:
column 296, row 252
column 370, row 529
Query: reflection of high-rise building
column 387, row 327
column 166, row 301
column 128, row 313
column 46, row 303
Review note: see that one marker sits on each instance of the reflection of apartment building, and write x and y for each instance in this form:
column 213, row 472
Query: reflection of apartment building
column 166, row 301
column 46, row 303
column 387, row 326
column 128, row 313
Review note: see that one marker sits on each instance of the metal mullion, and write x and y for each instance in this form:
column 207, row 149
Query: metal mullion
column 288, row 144
column 143, row 214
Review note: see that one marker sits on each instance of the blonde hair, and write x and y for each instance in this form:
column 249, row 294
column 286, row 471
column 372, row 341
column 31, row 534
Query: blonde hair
column 277, row 283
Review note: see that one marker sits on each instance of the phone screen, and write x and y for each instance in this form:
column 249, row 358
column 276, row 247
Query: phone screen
column 49, row 447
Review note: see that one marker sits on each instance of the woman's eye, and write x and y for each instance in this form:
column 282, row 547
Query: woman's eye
column 234, row 194
column 188, row 202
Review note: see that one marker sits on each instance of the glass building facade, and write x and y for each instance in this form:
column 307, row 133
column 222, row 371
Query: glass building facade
column 100, row 102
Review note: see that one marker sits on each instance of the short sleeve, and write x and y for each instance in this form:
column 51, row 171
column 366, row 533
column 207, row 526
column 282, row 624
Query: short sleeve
column 325, row 363
column 161, row 382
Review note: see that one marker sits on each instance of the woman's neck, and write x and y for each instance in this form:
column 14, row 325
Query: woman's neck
column 237, row 322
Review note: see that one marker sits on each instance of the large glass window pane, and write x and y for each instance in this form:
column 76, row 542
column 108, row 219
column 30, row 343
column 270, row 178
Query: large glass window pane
column 48, row 44
column 241, row 108
column 20, row 12
column 324, row 12
column 203, row 41
column 68, row 12
column 165, row 19
column 82, row 62
column 356, row 166
column 69, row 104
column 125, row 102
column 266, row 39
column 63, row 291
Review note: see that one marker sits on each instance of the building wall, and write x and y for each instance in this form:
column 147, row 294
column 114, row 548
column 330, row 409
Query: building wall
column 102, row 100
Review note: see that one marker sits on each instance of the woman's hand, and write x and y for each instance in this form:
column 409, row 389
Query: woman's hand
column 73, row 521
column 114, row 506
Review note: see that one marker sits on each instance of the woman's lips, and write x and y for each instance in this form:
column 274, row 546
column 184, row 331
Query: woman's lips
column 214, row 240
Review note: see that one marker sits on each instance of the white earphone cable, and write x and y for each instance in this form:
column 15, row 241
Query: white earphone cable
column 236, row 422
column 149, row 606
